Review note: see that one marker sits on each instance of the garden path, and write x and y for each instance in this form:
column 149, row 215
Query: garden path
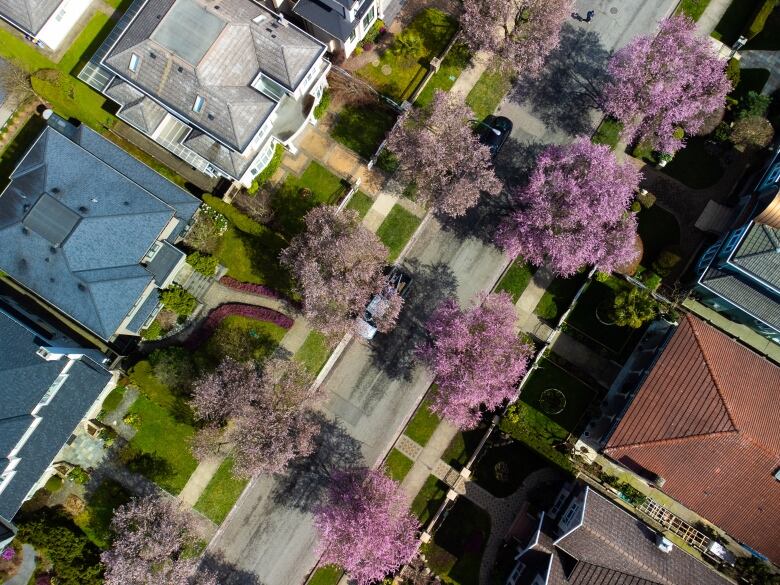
column 199, row 479
column 26, row 569
column 427, row 460
column 469, row 76
column 711, row 16
column 530, row 297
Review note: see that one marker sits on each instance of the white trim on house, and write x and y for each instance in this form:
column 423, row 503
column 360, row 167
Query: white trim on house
column 61, row 22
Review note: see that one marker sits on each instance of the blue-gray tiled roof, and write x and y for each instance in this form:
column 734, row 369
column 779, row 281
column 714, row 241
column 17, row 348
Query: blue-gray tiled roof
column 29, row 15
column 143, row 312
column 24, row 379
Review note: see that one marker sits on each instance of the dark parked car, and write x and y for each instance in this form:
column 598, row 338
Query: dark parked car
column 494, row 131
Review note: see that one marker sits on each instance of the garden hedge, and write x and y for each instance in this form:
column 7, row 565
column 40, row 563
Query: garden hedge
column 759, row 20
column 235, row 309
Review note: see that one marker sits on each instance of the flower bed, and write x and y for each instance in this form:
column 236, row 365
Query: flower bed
column 251, row 312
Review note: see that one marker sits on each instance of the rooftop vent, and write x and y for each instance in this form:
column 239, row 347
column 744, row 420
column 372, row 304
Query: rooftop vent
column 81, row 286
column 55, row 189
column 52, row 249
column 282, row 20
column 259, row 18
column 94, row 200
column 664, row 544
column 180, row 69
column 125, row 203
column 83, row 209
column 152, row 55
column 210, row 116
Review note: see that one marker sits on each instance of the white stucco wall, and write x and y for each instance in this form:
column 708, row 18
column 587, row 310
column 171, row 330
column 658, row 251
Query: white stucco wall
column 61, row 22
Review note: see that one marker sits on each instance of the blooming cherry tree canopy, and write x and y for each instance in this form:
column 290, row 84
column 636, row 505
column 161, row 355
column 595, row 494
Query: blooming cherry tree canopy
column 218, row 395
column 439, row 151
column 337, row 264
column 476, row 356
column 665, row 82
column 365, row 525
column 521, row 33
column 574, row 211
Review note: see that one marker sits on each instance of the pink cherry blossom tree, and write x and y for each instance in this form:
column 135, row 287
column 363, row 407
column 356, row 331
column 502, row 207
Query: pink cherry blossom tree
column 574, row 211
column 521, row 33
column 337, row 264
column 476, row 356
column 152, row 542
column 439, row 151
column 221, row 393
column 662, row 84
column 365, row 525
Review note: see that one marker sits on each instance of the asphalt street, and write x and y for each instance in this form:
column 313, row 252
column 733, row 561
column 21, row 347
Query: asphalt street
column 269, row 538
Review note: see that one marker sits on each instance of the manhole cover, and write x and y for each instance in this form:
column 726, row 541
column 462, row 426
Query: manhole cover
column 613, row 10
column 375, row 62
column 386, row 69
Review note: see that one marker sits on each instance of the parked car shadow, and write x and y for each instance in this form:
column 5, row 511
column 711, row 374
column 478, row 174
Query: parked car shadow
column 570, row 84
column 304, row 483
column 393, row 353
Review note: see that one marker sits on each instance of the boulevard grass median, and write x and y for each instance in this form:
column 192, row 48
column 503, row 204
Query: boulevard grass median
column 327, row 575
column 423, row 424
column 397, row 465
column 449, row 71
column 396, row 230
column 487, row 93
column 314, row 352
column 221, row 493
column 429, row 498
column 361, row 203
column 516, row 279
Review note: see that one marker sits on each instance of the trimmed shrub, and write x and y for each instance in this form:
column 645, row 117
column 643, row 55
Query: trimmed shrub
column 666, row 261
column 733, row 72
column 178, row 300
column 269, row 169
column 251, row 288
column 203, row 263
column 154, row 331
column 237, row 309
column 759, row 21
column 754, row 104
column 322, row 107
column 242, row 222
column 78, row 475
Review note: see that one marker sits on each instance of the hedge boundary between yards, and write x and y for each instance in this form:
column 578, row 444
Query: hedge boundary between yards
column 219, row 314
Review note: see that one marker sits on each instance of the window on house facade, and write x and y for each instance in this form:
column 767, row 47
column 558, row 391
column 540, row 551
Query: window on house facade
column 352, row 36
column 368, row 18
column 573, row 509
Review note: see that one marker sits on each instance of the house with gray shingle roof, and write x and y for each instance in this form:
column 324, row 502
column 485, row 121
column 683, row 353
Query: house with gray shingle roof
column 739, row 275
column 584, row 539
column 342, row 24
column 219, row 83
column 49, row 387
column 90, row 231
column 45, row 22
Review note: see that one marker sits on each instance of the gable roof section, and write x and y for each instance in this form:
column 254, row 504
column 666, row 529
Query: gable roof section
column 24, row 379
column 706, row 421
column 219, row 67
column 759, row 253
column 612, row 546
column 92, row 273
column 29, row 15
column 752, row 299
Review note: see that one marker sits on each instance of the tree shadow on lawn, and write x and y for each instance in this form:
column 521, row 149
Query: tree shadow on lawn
column 303, row 486
column 394, row 353
column 570, row 84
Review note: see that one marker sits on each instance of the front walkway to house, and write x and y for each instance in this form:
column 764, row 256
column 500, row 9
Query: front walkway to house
column 712, row 15
column 26, row 569
column 428, row 459
column 199, row 479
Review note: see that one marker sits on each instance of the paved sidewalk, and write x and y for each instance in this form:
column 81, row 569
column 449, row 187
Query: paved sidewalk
column 535, row 290
column 428, row 462
column 199, row 479
column 469, row 76
column 26, row 569
column 711, row 16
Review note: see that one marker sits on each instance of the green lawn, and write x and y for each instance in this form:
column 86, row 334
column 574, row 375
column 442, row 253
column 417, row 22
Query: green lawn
column 396, row 229
column 462, row 447
column 328, row 575
column 95, row 520
column 694, row 166
column 241, row 338
column 658, row 229
column 750, row 80
column 456, row 551
column 221, row 493
column 449, row 71
column 428, row 500
column 24, row 138
column 141, row 375
column 397, row 465
column 22, row 53
column 769, row 38
column 735, row 20
column 298, row 195
column 422, row 425
column 516, row 279
column 85, row 45
column 114, row 398
column 536, row 430
column 558, row 296
column 362, row 128
column 314, row 352
column 578, row 394
column 488, row 92
column 608, row 132
column 404, row 68
column 693, row 8
column 361, row 203
column 159, row 450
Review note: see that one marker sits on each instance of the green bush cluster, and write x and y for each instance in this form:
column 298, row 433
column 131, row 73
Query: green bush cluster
column 203, row 263
column 53, row 484
column 78, row 475
column 269, row 170
column 633, row 307
column 754, row 104
column 733, row 72
column 322, row 107
column 373, row 35
column 387, row 161
column 238, row 219
column 666, row 261
column 178, row 300
column 759, row 20
column 154, row 331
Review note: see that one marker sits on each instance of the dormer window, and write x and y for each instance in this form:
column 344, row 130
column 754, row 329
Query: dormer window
column 135, row 60
column 197, row 107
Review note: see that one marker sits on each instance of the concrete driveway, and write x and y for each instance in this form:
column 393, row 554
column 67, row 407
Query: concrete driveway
column 269, row 537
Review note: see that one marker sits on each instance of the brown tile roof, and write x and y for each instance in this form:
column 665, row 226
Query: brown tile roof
column 706, row 420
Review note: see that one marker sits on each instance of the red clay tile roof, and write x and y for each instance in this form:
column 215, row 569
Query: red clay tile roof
column 707, row 420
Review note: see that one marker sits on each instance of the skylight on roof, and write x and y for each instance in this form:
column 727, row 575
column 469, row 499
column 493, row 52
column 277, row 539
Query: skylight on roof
column 197, row 107
column 134, row 61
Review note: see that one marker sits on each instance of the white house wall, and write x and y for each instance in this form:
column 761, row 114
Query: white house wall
column 62, row 22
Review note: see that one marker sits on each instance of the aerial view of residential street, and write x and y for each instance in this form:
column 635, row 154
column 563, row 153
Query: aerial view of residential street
column 389, row 292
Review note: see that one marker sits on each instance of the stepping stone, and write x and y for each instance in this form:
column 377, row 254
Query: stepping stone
column 408, row 447
column 375, row 62
column 386, row 69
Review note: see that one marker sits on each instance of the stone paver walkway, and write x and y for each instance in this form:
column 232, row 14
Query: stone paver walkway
column 26, row 569
column 199, row 479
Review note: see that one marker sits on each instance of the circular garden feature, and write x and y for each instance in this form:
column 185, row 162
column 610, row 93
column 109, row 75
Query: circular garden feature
column 552, row 401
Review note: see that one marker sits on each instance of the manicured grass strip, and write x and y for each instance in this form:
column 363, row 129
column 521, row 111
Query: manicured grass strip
column 462, row 446
column 692, row 8
column 159, row 450
column 398, row 465
column 558, row 296
column 735, row 20
column 449, row 71
column 422, row 425
column 396, row 229
column 516, row 279
column 22, row 53
column 114, row 398
column 429, row 499
column 221, row 493
column 95, row 520
column 362, row 128
column 85, row 45
column 488, row 92
column 329, row 575
column 314, row 352
column 361, row 203
column 608, row 133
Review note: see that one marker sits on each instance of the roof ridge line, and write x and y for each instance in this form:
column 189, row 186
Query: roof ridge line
column 757, row 445
column 711, row 371
column 623, row 573
column 672, row 440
